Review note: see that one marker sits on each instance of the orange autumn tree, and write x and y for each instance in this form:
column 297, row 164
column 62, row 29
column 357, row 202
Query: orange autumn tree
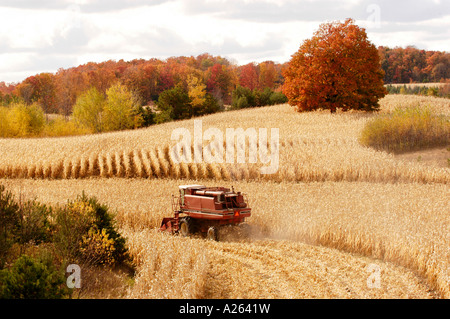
column 337, row 68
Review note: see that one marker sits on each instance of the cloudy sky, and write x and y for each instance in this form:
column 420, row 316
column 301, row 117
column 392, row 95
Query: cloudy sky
column 44, row 35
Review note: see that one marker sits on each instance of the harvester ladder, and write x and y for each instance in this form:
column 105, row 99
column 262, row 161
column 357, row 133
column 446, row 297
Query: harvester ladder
column 175, row 203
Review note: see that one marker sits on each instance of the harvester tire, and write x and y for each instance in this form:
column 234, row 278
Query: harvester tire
column 185, row 227
column 213, row 233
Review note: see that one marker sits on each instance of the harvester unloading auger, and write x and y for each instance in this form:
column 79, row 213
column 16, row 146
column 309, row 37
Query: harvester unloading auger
column 205, row 209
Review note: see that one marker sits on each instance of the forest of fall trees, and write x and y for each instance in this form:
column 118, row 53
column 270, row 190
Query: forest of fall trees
column 411, row 65
column 57, row 93
column 217, row 76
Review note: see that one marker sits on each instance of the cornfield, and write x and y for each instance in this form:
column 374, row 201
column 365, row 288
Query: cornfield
column 333, row 210
column 307, row 240
column 314, row 146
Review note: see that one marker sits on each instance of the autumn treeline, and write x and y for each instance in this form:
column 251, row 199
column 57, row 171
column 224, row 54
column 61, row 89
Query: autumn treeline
column 147, row 79
column 411, row 65
column 215, row 75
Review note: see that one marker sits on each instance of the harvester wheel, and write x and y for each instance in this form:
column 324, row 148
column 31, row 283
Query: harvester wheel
column 213, row 233
column 185, row 226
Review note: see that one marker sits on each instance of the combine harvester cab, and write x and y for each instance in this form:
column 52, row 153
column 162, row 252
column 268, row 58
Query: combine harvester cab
column 205, row 209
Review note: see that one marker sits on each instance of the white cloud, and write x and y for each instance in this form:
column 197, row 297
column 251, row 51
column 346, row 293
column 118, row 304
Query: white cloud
column 36, row 38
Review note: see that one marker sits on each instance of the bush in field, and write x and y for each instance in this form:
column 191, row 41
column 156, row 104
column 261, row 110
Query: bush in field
column 34, row 223
column 30, row 278
column 36, row 242
column 147, row 115
column 9, row 221
column 210, row 105
column 98, row 248
column 86, row 231
column 406, row 130
column 241, row 103
column 22, row 223
column 20, row 120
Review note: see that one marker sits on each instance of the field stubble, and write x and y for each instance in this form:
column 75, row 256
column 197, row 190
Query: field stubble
column 309, row 239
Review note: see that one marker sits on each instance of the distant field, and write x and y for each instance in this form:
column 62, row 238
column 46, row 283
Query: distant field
column 333, row 210
column 411, row 85
column 315, row 146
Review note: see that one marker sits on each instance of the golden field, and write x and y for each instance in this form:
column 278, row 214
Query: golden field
column 333, row 208
column 316, row 238
column 314, row 146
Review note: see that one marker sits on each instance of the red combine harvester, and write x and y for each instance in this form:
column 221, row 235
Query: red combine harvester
column 205, row 209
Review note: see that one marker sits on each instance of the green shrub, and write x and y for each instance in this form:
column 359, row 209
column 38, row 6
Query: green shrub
column 173, row 104
column 30, row 278
column 147, row 115
column 263, row 97
column 277, row 98
column 209, row 106
column 9, row 221
column 406, row 129
column 442, row 90
column 34, row 223
column 241, row 103
column 37, row 240
column 243, row 97
column 22, row 223
column 86, row 232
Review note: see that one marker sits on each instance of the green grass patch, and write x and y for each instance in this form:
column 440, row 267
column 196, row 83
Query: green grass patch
column 407, row 129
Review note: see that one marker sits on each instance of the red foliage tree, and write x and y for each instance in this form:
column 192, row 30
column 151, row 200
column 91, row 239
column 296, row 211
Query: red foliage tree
column 101, row 76
column 267, row 75
column 219, row 82
column 39, row 88
column 69, row 85
column 337, row 68
column 141, row 79
column 7, row 88
column 248, row 76
column 405, row 65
